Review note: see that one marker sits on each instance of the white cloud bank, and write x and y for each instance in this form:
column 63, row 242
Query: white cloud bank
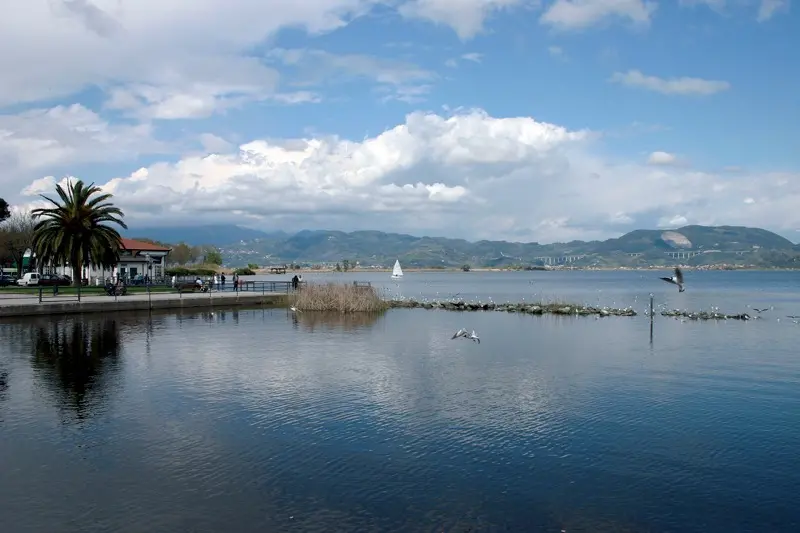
column 467, row 174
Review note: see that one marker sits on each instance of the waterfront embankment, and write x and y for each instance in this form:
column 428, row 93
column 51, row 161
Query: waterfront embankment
column 15, row 306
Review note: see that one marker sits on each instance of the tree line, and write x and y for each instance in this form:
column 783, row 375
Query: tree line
column 184, row 254
column 77, row 230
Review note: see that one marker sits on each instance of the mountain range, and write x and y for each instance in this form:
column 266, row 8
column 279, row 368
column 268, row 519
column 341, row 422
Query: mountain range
column 698, row 245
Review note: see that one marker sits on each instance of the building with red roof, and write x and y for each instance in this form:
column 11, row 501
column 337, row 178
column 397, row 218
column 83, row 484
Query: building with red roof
column 141, row 258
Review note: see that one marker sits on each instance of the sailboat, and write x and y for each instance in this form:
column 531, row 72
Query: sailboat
column 397, row 272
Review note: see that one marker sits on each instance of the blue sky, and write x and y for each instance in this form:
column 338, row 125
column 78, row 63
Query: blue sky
column 471, row 118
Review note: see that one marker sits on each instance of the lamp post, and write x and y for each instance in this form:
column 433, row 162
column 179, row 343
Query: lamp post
column 149, row 277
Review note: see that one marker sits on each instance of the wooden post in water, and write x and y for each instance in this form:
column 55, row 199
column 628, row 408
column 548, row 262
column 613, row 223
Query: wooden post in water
column 651, row 318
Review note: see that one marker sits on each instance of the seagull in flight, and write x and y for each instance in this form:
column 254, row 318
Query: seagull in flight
column 757, row 310
column 676, row 279
column 464, row 333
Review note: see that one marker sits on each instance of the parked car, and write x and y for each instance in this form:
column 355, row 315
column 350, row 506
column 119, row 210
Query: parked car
column 29, row 279
column 50, row 280
column 6, row 280
column 34, row 279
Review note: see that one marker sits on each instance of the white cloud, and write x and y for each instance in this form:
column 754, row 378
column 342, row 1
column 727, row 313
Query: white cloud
column 473, row 56
column 466, row 17
column 555, row 51
column 310, row 67
column 463, row 174
column 581, row 14
column 184, row 54
column 768, row 8
column 214, row 144
column 40, row 139
column 661, row 158
column 679, row 86
column 674, row 221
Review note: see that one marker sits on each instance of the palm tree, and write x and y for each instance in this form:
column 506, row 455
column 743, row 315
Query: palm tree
column 74, row 230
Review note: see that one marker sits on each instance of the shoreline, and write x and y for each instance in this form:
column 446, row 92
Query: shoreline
column 69, row 305
column 453, row 270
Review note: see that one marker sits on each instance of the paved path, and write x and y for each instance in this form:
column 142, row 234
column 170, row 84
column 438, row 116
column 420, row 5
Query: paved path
column 48, row 298
column 23, row 304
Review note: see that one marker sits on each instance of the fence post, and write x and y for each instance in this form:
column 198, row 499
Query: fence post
column 40, row 295
column 651, row 318
column 80, row 282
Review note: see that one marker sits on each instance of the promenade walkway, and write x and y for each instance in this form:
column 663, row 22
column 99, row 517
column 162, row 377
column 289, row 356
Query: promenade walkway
column 13, row 305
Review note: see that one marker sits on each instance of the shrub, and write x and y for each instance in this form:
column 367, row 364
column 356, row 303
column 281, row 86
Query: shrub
column 244, row 271
column 184, row 272
column 178, row 271
column 338, row 297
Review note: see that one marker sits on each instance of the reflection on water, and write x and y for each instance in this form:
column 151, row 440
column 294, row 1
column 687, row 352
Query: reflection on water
column 312, row 320
column 266, row 420
column 77, row 358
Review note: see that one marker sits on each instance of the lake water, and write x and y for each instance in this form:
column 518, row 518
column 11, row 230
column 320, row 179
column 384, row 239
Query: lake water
column 262, row 420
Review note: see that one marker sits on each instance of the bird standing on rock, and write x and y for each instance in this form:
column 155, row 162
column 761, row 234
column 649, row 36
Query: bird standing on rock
column 676, row 279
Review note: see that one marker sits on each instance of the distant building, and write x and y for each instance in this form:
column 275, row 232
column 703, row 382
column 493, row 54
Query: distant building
column 134, row 258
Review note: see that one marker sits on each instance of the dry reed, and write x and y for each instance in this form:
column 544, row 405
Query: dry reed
column 338, row 297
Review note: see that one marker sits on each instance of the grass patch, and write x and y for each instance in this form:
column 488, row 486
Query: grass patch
column 86, row 291
column 338, row 297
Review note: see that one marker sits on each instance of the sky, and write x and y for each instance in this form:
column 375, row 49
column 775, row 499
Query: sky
column 519, row 120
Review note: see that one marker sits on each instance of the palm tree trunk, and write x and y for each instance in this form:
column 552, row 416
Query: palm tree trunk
column 76, row 271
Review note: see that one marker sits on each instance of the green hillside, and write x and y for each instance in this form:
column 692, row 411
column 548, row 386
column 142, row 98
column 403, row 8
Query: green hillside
column 721, row 244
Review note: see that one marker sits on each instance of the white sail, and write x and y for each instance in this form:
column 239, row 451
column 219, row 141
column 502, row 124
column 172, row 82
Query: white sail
column 397, row 272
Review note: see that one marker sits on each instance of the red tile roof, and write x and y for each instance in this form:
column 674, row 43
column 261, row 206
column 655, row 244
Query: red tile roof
column 131, row 245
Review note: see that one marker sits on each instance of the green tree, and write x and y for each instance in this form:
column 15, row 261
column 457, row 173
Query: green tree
column 180, row 254
column 338, row 267
column 346, row 265
column 16, row 237
column 76, row 230
column 252, row 266
column 213, row 257
column 5, row 212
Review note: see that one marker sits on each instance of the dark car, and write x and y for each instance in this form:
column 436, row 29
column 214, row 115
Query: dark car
column 50, row 280
column 6, row 280
column 67, row 280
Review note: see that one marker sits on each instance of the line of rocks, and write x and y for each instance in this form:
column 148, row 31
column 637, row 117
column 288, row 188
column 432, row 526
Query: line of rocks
column 705, row 315
column 530, row 309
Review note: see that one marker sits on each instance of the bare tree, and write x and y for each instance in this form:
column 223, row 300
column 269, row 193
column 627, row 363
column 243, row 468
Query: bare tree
column 16, row 236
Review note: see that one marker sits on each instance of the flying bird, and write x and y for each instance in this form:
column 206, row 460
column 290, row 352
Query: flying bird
column 676, row 279
column 464, row 333
column 460, row 333
column 757, row 310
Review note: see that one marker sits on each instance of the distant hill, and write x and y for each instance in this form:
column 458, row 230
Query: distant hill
column 725, row 238
column 719, row 244
column 215, row 235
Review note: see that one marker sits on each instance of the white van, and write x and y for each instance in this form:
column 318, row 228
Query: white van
column 31, row 278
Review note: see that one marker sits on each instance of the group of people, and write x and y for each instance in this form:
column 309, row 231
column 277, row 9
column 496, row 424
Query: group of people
column 219, row 281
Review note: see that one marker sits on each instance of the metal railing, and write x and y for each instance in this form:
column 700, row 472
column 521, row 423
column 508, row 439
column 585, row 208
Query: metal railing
column 43, row 294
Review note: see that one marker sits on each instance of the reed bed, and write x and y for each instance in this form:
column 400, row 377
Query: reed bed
column 338, row 297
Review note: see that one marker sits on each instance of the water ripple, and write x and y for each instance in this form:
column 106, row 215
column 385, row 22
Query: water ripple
column 241, row 421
